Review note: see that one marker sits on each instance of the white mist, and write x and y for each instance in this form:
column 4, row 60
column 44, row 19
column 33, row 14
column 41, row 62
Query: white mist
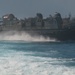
column 23, row 36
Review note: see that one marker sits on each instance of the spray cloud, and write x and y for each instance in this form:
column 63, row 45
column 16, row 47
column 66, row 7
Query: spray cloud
column 21, row 35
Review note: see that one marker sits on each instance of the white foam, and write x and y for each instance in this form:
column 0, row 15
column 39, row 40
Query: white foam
column 18, row 63
column 15, row 35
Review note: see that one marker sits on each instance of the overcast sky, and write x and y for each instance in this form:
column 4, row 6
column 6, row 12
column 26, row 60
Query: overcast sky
column 29, row 8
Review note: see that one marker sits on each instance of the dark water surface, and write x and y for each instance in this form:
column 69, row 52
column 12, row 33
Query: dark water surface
column 37, row 58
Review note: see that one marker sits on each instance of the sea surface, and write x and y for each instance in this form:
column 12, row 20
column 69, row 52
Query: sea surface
column 37, row 58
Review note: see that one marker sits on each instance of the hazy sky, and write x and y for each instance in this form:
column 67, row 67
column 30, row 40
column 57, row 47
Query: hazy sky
column 29, row 8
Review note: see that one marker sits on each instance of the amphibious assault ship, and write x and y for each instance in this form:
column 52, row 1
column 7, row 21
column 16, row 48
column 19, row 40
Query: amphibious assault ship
column 55, row 27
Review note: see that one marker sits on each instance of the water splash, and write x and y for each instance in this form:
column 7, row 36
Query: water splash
column 23, row 36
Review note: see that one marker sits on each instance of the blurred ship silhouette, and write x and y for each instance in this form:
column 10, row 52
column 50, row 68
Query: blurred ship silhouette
column 55, row 27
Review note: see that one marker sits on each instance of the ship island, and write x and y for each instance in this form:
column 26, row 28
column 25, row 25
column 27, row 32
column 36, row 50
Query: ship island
column 55, row 27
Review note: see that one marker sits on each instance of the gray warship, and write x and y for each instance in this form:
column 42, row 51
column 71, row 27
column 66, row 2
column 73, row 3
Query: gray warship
column 55, row 27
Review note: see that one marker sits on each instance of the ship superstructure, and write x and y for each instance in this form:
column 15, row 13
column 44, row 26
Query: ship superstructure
column 52, row 26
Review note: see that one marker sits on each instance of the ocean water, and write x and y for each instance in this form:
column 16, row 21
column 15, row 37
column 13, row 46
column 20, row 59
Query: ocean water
column 37, row 58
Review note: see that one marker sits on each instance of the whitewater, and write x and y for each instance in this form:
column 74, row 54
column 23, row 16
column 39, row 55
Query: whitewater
column 23, row 36
column 22, row 54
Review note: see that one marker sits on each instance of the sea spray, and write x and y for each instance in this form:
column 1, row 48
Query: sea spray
column 23, row 36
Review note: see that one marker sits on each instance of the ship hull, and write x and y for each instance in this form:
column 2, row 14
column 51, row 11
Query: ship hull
column 58, row 34
column 61, row 34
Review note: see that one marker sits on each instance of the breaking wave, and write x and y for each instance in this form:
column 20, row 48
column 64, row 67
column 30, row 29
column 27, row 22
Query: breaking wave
column 35, row 59
column 15, row 63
